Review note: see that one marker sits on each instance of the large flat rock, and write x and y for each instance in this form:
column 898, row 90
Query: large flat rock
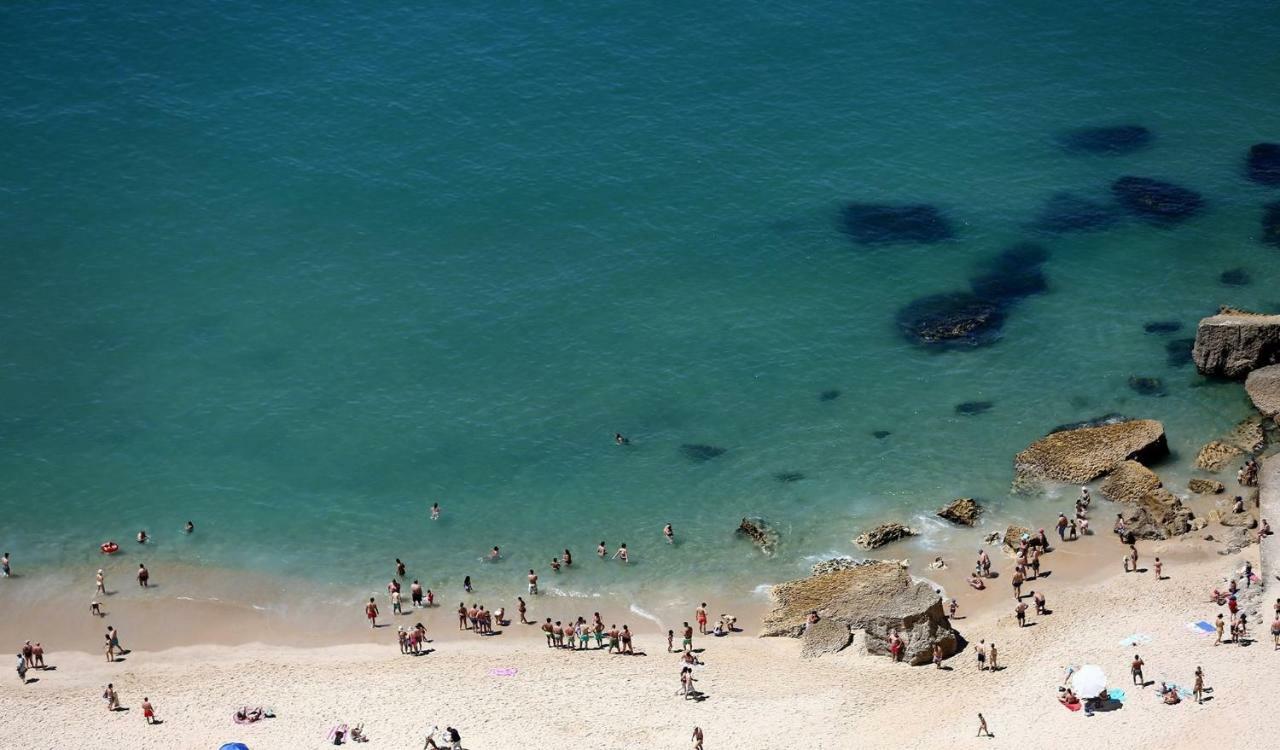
column 1086, row 453
column 1263, row 387
column 1233, row 343
column 1129, row 482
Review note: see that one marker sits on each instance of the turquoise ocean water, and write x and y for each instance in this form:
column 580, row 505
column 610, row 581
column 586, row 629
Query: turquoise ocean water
column 296, row 270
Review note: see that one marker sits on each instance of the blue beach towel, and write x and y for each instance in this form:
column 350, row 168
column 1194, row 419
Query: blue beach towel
column 1205, row 626
column 1116, row 694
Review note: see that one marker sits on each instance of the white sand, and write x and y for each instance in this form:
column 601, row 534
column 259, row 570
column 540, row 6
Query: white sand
column 759, row 692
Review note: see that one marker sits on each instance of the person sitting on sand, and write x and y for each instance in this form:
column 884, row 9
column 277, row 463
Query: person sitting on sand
column 1170, row 693
column 719, row 631
column 1066, row 697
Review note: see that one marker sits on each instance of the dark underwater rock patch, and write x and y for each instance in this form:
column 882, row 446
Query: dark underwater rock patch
column 1178, row 352
column 1105, row 419
column 1111, row 140
column 1263, row 163
column 1162, row 326
column 881, row 434
column 786, row 477
column 830, row 395
column 1010, row 285
column 1271, row 224
column 1065, row 213
column 1147, row 386
column 970, row 408
column 700, row 453
column 955, row 319
column 888, row 223
column 1018, row 256
column 1234, row 277
column 1155, row 201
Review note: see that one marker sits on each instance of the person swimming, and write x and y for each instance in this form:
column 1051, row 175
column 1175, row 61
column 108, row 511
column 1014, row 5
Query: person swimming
column 619, row 439
column 142, row 537
column 189, row 528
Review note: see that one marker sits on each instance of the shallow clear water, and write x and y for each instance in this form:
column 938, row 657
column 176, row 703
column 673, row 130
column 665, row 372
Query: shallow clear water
column 296, row 271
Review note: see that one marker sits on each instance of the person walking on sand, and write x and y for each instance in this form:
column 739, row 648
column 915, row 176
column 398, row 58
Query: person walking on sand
column 110, row 696
column 107, row 648
column 1021, row 613
column 625, row 637
column 1219, row 625
column 102, row 583
column 1135, row 671
column 1017, row 584
column 371, row 612
column 937, row 656
column 983, row 731
column 686, row 636
column 395, row 603
column 37, row 656
column 113, row 635
column 700, row 614
column 148, row 712
column 1038, row 598
column 993, row 662
column 533, row 582
column 697, row 738
column 981, row 650
column 1159, row 566
column 143, row 576
column 1199, row 688
column 521, row 607
column 1133, row 557
column 22, row 669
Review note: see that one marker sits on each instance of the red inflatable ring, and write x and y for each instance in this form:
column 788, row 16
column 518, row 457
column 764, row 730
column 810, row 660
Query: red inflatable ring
column 110, row 548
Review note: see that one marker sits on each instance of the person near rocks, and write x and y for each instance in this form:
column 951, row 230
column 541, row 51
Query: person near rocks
column 895, row 647
column 1021, row 612
column 1159, row 566
column 1133, row 557
column 937, row 656
column 951, row 608
column 983, row 731
column 1062, row 524
column 1135, row 670
column 984, row 562
column 1035, row 563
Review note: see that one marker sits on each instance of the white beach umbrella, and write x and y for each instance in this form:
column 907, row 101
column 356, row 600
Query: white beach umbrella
column 1088, row 681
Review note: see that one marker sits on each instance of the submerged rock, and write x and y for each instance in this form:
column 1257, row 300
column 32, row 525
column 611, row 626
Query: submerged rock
column 884, row 534
column 1111, row 140
column 700, row 453
column 1205, row 486
column 969, row 408
column 1271, row 224
column 1263, row 387
column 1178, row 352
column 877, row 599
column 1009, row 286
column 1234, row 277
column 963, row 511
column 888, row 223
column 788, row 476
column 1018, row 256
column 956, row 319
column 1129, row 482
column 1233, row 342
column 760, row 532
column 1155, row 201
column 1081, row 455
column 1105, row 419
column 1162, row 326
column 1064, row 213
column 881, row 434
column 1263, row 163
column 830, row 395
column 1147, row 386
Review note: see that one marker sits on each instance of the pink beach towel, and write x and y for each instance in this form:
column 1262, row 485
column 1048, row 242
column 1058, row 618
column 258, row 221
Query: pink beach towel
column 504, row 672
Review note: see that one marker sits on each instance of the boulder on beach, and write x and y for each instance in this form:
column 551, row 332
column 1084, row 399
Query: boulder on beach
column 1234, row 342
column 1129, row 482
column 884, row 534
column 878, row 598
column 1263, row 387
column 1110, row 140
column 825, row 637
column 888, row 223
column 1263, row 163
column 1013, row 538
column 1081, row 455
column 1155, row 201
column 760, row 532
column 955, row 319
column 1157, row 515
column 1216, row 455
column 1205, row 486
column 963, row 511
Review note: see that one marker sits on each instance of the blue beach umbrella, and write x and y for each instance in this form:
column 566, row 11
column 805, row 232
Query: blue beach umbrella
column 234, row 746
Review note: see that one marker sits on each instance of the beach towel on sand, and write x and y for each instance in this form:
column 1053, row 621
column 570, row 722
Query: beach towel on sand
column 1116, row 694
column 1072, row 706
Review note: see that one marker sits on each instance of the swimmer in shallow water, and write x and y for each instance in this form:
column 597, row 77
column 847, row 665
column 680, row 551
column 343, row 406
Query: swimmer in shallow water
column 189, row 528
column 142, row 537
column 619, row 439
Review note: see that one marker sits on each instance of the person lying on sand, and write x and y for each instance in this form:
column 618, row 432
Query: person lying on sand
column 976, row 583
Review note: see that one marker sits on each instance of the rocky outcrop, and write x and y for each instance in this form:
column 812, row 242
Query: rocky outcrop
column 963, row 511
column 884, row 534
column 879, row 599
column 1158, row 515
column 1013, row 537
column 1081, row 455
column 1205, row 486
column 1215, row 456
column 1224, row 514
column 825, row 637
column 1129, row 482
column 1233, row 343
column 1263, row 387
column 760, row 532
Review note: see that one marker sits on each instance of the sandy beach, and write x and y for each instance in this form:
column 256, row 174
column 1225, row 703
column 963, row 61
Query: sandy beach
column 758, row 692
